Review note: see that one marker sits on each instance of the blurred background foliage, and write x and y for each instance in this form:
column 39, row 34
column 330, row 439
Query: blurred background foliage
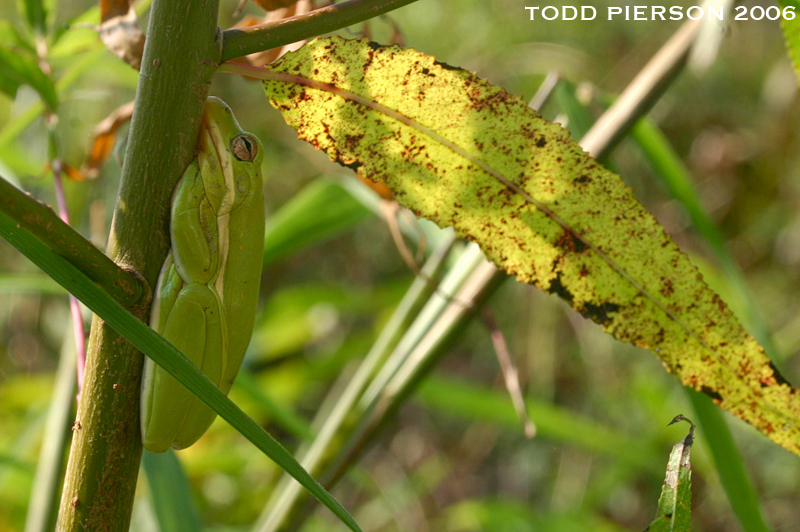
column 454, row 458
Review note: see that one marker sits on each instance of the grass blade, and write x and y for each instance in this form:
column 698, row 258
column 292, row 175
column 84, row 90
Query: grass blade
column 170, row 493
column 320, row 211
column 730, row 467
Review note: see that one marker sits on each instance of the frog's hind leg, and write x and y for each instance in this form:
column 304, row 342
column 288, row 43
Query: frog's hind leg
column 174, row 417
column 199, row 416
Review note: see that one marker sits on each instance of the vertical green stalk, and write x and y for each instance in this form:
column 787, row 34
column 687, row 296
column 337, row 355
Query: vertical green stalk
column 182, row 51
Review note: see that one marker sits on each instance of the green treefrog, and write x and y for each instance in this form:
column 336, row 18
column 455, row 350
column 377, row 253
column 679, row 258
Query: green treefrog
column 206, row 295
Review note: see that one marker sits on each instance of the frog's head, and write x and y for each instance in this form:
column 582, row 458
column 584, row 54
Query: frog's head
column 230, row 159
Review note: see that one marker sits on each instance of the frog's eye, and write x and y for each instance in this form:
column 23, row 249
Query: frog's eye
column 244, row 147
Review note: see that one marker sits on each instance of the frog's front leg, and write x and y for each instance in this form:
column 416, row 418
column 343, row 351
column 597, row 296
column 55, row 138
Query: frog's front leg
column 193, row 230
column 172, row 415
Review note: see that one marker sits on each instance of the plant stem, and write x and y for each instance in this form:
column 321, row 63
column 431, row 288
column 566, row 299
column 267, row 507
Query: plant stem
column 642, row 93
column 181, row 54
column 244, row 41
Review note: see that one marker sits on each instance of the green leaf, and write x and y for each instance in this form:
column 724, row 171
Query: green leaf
column 462, row 152
column 12, row 129
column 12, row 461
column 320, row 211
column 509, row 515
column 33, row 283
column 675, row 503
column 23, row 69
column 283, row 416
column 166, row 355
column 35, row 14
column 11, row 38
column 733, row 476
column 170, row 493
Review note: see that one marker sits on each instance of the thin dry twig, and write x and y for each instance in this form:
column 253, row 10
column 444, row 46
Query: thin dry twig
column 510, row 373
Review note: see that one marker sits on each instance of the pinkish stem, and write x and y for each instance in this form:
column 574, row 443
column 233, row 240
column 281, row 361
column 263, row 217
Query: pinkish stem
column 77, row 321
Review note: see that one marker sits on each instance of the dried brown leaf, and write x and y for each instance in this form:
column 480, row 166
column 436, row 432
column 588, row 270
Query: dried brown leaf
column 120, row 31
column 105, row 135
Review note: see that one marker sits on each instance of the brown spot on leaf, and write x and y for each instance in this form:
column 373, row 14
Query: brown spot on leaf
column 446, row 66
column 570, row 243
column 666, row 289
column 353, row 165
column 780, row 379
column 556, row 287
column 717, row 398
column 352, row 141
column 599, row 313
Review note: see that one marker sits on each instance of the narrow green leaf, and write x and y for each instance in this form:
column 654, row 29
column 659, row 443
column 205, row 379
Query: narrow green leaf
column 13, row 462
column 12, row 129
column 166, row 355
column 509, row 515
column 320, row 211
column 22, row 69
column 675, row 504
column 341, row 402
column 170, row 493
column 579, row 121
column 35, row 15
column 281, row 415
column 34, row 283
column 10, row 38
column 9, row 83
column 464, row 153
column 733, row 476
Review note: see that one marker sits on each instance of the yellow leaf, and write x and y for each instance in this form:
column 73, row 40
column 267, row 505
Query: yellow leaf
column 462, row 152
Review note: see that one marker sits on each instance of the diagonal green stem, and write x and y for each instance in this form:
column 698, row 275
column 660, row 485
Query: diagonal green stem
column 243, row 41
column 38, row 219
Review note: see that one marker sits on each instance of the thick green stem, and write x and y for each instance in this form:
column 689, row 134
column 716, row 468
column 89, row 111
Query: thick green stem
column 243, row 41
column 181, row 54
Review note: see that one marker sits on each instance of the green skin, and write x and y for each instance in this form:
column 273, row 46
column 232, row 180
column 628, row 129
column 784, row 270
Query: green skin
column 207, row 292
